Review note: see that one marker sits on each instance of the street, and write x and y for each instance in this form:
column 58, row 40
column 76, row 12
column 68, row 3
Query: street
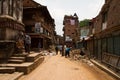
column 61, row 68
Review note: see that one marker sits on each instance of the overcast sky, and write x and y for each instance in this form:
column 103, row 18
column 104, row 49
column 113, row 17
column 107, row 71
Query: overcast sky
column 85, row 9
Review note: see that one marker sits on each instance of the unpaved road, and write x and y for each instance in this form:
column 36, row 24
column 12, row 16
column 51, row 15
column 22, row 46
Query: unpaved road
column 60, row 68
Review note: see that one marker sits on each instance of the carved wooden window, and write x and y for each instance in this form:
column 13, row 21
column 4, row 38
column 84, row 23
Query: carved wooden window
column 104, row 21
column 104, row 17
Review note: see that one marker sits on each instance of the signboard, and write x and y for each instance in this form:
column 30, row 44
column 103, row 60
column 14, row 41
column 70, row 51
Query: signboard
column 37, row 27
column 84, row 32
column 41, row 29
column 68, row 38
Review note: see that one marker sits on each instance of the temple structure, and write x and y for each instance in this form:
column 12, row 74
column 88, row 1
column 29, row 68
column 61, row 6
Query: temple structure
column 11, row 26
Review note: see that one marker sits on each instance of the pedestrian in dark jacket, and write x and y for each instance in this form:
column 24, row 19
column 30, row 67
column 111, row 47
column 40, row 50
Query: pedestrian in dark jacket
column 82, row 53
column 27, row 43
column 56, row 49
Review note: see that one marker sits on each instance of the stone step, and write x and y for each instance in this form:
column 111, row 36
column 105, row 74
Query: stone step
column 7, row 69
column 32, row 57
column 18, row 58
column 13, row 76
column 27, row 67
column 20, row 55
column 15, row 61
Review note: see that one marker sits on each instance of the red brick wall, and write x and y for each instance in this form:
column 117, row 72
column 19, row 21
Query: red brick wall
column 70, row 29
column 112, row 7
column 114, row 13
column 98, row 23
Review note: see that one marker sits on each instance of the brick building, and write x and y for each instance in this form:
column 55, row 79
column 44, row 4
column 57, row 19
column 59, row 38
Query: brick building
column 107, row 27
column 11, row 26
column 86, row 31
column 71, row 30
column 59, row 40
column 38, row 24
column 106, row 34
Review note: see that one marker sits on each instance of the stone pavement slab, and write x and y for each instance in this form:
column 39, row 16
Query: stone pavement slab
column 7, row 69
column 13, row 76
column 106, row 69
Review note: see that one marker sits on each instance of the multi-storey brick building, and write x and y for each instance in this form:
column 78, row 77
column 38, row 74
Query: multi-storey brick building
column 38, row 24
column 59, row 40
column 71, row 30
column 106, row 34
column 107, row 28
column 11, row 26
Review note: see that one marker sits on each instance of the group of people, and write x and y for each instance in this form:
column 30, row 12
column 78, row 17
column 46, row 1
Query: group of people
column 67, row 51
column 64, row 51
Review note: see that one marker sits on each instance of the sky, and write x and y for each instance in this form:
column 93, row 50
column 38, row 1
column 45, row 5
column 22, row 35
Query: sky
column 85, row 9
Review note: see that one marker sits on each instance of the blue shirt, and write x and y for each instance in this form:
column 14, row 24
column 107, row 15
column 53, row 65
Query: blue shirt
column 67, row 49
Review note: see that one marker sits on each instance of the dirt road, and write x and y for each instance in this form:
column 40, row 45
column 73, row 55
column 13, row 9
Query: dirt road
column 60, row 68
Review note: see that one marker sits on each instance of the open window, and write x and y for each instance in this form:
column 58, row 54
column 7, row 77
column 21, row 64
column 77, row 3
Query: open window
column 104, row 20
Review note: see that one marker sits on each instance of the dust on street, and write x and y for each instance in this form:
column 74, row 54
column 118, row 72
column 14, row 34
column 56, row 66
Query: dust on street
column 61, row 68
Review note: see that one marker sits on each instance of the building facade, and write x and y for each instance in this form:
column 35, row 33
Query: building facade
column 85, row 33
column 107, row 28
column 59, row 40
column 11, row 26
column 106, row 35
column 38, row 24
column 71, row 30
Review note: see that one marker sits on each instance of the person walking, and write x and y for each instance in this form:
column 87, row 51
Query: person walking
column 39, row 45
column 60, row 48
column 27, row 43
column 56, row 49
column 67, row 52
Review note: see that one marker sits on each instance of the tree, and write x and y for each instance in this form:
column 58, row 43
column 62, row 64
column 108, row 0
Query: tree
column 84, row 22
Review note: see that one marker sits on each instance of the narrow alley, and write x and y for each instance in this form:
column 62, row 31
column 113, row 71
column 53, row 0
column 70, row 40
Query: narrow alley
column 85, row 32
column 61, row 68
